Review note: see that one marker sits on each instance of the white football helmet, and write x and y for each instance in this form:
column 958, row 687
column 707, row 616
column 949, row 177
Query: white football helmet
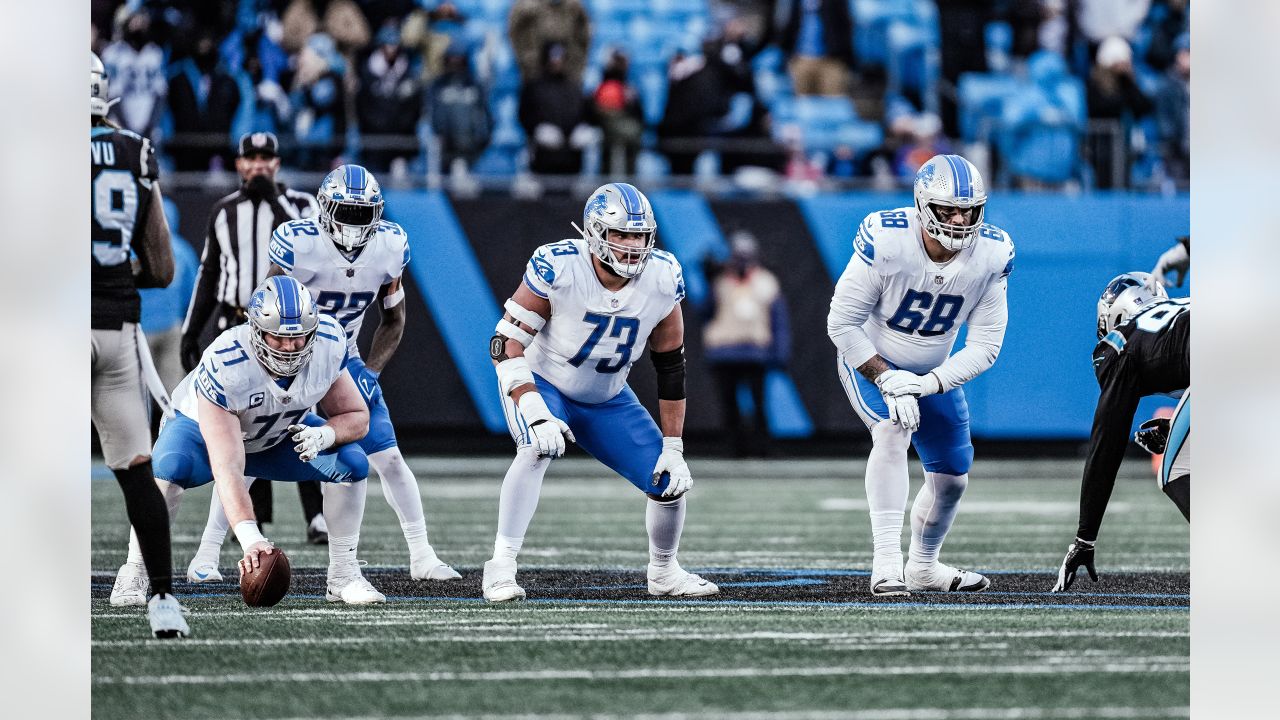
column 1124, row 297
column 99, row 103
column 283, row 307
column 950, row 181
column 619, row 206
column 350, row 206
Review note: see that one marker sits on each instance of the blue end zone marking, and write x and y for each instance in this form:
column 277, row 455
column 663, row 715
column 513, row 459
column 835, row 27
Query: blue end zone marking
column 833, row 220
column 457, row 294
column 690, row 231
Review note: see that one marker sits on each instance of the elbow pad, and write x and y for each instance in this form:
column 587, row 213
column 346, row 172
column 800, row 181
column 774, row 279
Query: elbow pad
column 670, row 367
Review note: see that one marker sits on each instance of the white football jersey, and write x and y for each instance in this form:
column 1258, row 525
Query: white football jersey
column 230, row 376
column 914, row 306
column 595, row 335
column 342, row 288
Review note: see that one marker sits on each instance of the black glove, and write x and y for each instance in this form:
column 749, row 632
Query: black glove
column 189, row 351
column 1080, row 553
column 1153, row 435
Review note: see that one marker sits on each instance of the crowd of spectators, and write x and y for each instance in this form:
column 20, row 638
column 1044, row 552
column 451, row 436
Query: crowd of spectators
column 381, row 81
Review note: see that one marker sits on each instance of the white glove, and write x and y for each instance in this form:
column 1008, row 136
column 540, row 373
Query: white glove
column 672, row 461
column 547, row 432
column 901, row 382
column 311, row 440
column 1175, row 259
column 904, row 411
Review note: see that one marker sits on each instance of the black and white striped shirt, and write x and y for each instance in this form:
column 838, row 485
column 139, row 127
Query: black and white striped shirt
column 235, row 258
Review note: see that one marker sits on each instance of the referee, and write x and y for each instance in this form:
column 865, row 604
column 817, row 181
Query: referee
column 233, row 264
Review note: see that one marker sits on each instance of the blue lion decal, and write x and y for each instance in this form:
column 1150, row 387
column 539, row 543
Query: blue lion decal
column 543, row 268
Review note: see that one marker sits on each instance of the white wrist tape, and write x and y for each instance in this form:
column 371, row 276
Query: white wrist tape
column 510, row 330
column 248, row 534
column 524, row 315
column 513, row 373
column 534, row 408
column 673, row 443
column 394, row 298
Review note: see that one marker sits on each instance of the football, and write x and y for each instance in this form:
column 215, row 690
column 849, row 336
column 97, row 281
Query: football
column 268, row 583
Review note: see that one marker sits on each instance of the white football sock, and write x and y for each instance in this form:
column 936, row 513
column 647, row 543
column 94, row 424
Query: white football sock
column 932, row 514
column 400, row 488
column 216, row 527
column 665, row 522
column 172, row 499
column 887, row 484
column 519, row 500
column 343, row 510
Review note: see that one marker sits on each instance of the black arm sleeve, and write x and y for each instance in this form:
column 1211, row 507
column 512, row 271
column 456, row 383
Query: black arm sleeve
column 1108, row 439
column 203, row 300
column 670, row 367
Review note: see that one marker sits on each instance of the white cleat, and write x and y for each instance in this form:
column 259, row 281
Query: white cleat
column 430, row 567
column 132, row 586
column 353, row 590
column 887, row 580
column 203, row 570
column 165, row 615
column 943, row 578
column 675, row 581
column 499, row 583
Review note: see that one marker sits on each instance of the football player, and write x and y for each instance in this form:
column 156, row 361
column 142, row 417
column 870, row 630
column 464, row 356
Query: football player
column 1144, row 348
column 128, row 218
column 353, row 260
column 246, row 411
column 577, row 322
column 917, row 274
column 1176, row 259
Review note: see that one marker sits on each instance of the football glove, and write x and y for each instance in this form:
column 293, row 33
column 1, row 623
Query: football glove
column 189, row 352
column 547, row 433
column 367, row 384
column 1080, row 553
column 311, row 440
column 904, row 411
column 1174, row 260
column 901, row 382
column 672, row 461
column 1153, row 435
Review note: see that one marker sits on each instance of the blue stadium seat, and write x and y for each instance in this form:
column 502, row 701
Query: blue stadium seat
column 913, row 62
column 872, row 19
column 981, row 100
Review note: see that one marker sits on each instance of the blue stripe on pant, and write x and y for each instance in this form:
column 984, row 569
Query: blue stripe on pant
column 180, row 457
column 618, row 432
column 943, row 441
column 1179, row 435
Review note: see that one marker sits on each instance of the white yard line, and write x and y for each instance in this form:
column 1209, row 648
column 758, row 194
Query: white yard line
column 644, row 674
column 1005, row 713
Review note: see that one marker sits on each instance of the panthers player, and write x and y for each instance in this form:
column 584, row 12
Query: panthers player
column 353, row 260
column 1144, row 348
column 128, row 217
column 582, row 314
column 250, row 395
column 916, row 275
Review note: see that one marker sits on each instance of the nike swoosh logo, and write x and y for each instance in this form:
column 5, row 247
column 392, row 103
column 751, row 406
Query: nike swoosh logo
column 201, row 575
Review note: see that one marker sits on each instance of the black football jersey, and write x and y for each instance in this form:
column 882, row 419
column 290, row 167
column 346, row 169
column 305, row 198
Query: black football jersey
column 1148, row 355
column 123, row 170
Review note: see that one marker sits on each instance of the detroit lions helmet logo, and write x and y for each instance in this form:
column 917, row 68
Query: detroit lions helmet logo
column 598, row 204
column 925, row 173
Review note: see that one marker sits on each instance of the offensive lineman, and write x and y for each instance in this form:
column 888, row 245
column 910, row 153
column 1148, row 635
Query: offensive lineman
column 352, row 260
column 128, row 215
column 253, row 392
column 563, row 349
column 1144, row 348
column 916, row 275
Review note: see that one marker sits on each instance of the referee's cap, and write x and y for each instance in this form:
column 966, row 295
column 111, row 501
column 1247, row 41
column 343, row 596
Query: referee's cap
column 259, row 143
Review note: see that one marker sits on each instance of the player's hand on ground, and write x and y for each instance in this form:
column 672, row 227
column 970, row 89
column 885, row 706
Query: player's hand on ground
column 311, row 441
column 1153, row 435
column 1174, row 260
column 1080, row 554
column 253, row 556
column 672, row 461
column 904, row 411
column 901, row 382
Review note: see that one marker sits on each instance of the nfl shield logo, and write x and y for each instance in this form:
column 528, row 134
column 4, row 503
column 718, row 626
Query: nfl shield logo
column 937, row 279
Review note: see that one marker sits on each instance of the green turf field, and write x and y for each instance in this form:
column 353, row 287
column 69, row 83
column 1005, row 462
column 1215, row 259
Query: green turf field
column 794, row 634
